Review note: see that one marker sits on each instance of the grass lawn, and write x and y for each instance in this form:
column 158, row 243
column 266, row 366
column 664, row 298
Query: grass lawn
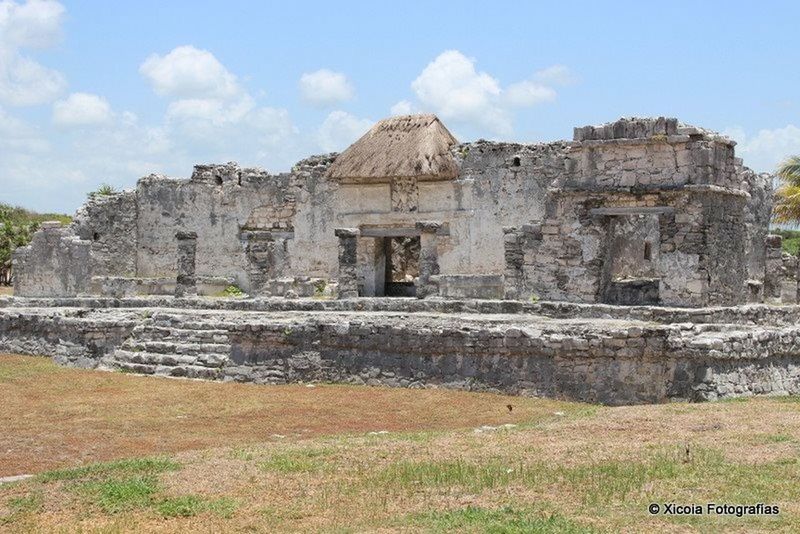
column 116, row 452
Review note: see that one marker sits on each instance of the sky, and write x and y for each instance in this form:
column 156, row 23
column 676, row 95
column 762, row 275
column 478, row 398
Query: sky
column 96, row 92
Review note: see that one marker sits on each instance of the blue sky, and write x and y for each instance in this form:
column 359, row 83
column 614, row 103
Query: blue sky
column 94, row 92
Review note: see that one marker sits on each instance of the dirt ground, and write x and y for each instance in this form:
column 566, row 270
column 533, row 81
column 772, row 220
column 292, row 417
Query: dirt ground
column 53, row 416
column 190, row 456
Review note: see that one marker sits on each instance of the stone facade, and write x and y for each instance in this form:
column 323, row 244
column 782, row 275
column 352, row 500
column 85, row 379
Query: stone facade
column 635, row 211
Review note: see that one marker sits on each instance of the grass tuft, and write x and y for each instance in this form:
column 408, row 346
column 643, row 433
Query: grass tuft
column 505, row 520
column 118, row 495
column 191, row 505
column 133, row 466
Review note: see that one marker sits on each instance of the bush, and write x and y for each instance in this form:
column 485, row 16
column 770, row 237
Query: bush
column 17, row 227
column 791, row 240
column 232, row 291
column 105, row 190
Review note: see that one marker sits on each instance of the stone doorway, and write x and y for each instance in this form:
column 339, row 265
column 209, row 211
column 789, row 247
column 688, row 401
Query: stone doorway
column 401, row 266
column 630, row 271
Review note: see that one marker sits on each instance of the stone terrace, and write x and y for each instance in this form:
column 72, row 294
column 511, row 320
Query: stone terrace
column 593, row 353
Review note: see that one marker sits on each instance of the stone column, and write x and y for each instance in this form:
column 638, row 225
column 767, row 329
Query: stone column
column 348, row 275
column 773, row 276
column 515, row 257
column 260, row 251
column 427, row 284
column 186, row 284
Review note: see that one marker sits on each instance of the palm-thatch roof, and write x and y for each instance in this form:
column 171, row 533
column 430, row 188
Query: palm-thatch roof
column 399, row 147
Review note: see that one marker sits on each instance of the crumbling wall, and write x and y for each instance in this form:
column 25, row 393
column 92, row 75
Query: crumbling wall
column 56, row 263
column 223, row 202
column 708, row 219
column 110, row 224
column 618, row 177
column 502, row 185
column 723, row 252
column 647, row 153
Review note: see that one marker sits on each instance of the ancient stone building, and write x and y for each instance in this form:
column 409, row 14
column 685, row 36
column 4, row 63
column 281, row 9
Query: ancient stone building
column 638, row 211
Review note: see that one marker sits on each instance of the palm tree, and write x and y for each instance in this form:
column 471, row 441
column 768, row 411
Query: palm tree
column 787, row 196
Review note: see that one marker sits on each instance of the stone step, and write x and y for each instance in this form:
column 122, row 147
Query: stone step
column 208, row 360
column 166, row 333
column 190, row 323
column 171, row 346
column 186, row 371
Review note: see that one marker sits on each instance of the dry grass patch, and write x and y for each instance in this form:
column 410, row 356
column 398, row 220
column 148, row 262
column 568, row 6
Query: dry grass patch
column 54, row 416
column 563, row 468
column 6, row 291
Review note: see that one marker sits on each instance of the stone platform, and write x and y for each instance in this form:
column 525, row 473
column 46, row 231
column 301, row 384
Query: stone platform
column 594, row 353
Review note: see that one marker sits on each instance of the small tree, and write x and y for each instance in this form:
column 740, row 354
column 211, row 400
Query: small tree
column 15, row 231
column 787, row 196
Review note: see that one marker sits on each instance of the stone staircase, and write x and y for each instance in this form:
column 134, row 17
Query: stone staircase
column 174, row 344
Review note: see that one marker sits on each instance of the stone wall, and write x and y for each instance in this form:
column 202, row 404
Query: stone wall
column 589, row 359
column 56, row 263
column 684, row 211
column 644, row 202
column 78, row 338
column 110, row 224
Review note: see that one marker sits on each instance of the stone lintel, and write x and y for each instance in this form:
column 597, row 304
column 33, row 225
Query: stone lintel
column 405, row 231
column 428, row 227
column 632, row 210
column 346, row 232
column 267, row 235
column 183, row 235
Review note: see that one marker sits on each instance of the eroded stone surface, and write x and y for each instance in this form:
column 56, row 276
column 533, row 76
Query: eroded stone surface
column 636, row 198
column 594, row 353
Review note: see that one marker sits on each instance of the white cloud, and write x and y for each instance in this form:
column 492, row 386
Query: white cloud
column 452, row 87
column 18, row 136
column 404, row 107
column 82, row 109
column 556, row 75
column 35, row 24
column 210, row 114
column 528, row 93
column 764, row 151
column 325, row 87
column 340, row 129
column 188, row 72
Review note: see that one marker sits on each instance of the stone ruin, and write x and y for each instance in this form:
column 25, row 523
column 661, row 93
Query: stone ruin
column 638, row 214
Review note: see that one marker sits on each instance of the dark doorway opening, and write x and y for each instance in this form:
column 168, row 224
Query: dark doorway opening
column 402, row 266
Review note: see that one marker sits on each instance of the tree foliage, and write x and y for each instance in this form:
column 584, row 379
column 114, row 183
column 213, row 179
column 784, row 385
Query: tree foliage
column 17, row 226
column 787, row 196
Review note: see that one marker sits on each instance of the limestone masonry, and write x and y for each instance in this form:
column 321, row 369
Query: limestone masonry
column 648, row 213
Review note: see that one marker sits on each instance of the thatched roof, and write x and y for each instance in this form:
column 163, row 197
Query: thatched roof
column 398, row 147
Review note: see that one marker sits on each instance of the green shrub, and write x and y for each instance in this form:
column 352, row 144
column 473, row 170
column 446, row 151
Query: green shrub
column 105, row 190
column 232, row 291
column 791, row 240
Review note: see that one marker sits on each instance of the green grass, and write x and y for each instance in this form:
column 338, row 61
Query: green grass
column 134, row 466
column 776, row 438
column 118, row 495
column 506, row 520
column 26, row 504
column 598, row 482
